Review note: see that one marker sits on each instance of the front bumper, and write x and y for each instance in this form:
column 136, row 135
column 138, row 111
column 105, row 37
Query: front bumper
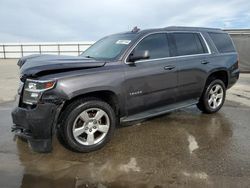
column 36, row 125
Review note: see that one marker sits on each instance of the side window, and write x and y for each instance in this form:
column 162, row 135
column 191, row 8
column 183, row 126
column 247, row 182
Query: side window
column 189, row 44
column 222, row 42
column 156, row 44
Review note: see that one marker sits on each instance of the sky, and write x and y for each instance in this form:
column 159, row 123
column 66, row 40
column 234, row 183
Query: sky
column 89, row 20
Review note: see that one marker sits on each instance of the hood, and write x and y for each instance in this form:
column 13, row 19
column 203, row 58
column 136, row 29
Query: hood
column 37, row 65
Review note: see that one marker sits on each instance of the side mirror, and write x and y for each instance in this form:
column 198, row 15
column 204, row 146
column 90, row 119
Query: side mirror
column 138, row 55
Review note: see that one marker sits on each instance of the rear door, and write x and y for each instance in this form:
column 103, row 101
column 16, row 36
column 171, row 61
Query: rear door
column 151, row 83
column 190, row 53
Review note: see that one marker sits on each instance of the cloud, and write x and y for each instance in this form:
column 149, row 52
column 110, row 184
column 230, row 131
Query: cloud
column 77, row 20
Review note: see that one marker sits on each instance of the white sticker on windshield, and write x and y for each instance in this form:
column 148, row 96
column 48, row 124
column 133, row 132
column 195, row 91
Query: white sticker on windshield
column 126, row 42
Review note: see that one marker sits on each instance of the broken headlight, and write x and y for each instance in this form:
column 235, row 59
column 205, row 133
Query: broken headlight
column 33, row 90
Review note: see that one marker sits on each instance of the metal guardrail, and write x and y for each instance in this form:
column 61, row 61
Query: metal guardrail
column 11, row 50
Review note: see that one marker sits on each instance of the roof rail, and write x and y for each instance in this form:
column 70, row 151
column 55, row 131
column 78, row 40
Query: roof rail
column 186, row 27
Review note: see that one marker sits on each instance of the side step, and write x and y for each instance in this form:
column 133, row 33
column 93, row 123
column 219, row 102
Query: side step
column 158, row 111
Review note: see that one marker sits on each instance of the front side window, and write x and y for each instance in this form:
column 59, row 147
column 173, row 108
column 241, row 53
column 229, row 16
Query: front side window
column 109, row 47
column 189, row 44
column 155, row 44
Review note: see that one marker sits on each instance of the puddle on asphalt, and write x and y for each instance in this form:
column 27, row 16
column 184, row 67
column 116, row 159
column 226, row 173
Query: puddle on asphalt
column 168, row 150
column 130, row 166
column 193, row 145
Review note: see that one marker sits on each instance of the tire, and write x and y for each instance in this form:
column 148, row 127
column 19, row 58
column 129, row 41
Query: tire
column 87, row 125
column 213, row 97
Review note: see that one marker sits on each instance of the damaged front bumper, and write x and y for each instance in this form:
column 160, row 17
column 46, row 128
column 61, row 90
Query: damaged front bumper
column 36, row 125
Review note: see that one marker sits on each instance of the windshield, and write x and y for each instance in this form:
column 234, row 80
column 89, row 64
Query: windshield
column 109, row 47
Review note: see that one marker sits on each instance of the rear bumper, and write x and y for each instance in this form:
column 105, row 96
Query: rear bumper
column 36, row 125
column 234, row 76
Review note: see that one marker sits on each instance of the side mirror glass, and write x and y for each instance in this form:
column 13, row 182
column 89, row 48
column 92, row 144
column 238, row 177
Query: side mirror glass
column 138, row 55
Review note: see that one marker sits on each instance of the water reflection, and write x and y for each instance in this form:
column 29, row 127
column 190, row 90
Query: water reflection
column 154, row 152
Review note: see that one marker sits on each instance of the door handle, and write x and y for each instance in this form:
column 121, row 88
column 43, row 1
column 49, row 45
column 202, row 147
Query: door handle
column 204, row 62
column 169, row 67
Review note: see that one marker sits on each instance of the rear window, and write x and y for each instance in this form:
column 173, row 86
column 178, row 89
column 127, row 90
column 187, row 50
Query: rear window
column 189, row 44
column 222, row 42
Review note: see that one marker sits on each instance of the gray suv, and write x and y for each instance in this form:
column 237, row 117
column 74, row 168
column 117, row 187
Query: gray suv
column 121, row 78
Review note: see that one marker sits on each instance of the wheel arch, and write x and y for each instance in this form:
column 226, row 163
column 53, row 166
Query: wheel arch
column 221, row 74
column 108, row 96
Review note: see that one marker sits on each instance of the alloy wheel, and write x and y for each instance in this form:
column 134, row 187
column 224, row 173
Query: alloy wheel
column 91, row 126
column 215, row 96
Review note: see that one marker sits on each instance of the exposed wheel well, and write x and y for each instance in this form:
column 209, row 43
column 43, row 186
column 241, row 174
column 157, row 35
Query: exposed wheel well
column 222, row 75
column 107, row 96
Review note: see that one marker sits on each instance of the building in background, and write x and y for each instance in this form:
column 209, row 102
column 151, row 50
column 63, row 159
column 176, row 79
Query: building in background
column 241, row 38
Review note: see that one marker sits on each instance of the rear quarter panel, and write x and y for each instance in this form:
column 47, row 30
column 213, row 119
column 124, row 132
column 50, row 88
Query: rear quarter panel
column 225, row 61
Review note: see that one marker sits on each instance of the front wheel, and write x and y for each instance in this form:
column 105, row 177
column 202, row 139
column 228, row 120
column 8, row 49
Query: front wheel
column 88, row 124
column 213, row 97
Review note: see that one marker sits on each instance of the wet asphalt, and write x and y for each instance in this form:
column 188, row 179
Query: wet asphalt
column 182, row 149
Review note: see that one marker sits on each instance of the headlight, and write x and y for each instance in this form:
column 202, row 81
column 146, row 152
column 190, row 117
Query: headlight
column 33, row 90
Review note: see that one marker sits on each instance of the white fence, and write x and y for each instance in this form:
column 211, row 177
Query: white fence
column 17, row 50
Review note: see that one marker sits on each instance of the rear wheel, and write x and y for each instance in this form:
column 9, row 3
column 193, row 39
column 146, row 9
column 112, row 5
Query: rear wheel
column 213, row 97
column 88, row 124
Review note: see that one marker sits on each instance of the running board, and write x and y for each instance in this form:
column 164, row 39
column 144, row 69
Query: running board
column 158, row 111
